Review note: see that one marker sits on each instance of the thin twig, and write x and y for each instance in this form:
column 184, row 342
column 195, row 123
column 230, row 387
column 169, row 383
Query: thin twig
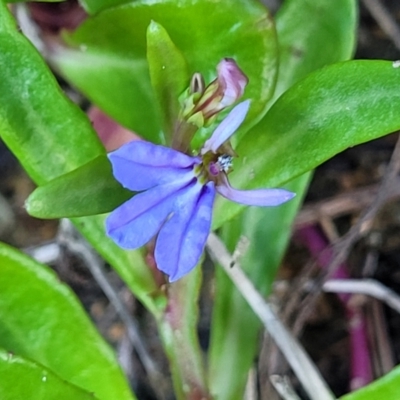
column 47, row 253
column 7, row 217
column 96, row 267
column 250, row 392
column 283, row 387
column 360, row 357
column 271, row 362
column 298, row 359
column 342, row 248
column 29, row 27
column 380, row 340
column 384, row 19
column 350, row 202
column 363, row 225
column 369, row 287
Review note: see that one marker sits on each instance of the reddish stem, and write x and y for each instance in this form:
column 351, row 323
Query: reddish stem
column 360, row 359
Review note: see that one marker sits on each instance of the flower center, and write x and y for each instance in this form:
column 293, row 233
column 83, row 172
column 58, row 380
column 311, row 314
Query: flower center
column 211, row 166
column 225, row 162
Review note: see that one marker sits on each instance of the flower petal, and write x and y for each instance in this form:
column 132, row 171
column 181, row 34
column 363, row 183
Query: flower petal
column 136, row 221
column 181, row 240
column 258, row 197
column 232, row 79
column 227, row 127
column 141, row 165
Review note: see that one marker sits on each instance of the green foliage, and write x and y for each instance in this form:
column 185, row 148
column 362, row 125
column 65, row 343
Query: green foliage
column 94, row 6
column 107, row 57
column 41, row 319
column 168, row 73
column 51, row 137
column 47, row 132
column 88, row 190
column 24, row 379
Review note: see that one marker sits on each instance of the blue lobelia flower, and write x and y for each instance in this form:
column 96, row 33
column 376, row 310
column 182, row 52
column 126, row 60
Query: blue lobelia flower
column 176, row 196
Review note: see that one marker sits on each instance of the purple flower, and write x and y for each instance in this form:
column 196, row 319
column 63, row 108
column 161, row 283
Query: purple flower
column 176, row 196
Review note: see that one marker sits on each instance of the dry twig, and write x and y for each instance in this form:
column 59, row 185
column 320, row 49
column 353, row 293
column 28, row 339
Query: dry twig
column 342, row 248
column 384, row 19
column 297, row 358
column 283, row 387
column 47, row 253
column 346, row 203
column 369, row 287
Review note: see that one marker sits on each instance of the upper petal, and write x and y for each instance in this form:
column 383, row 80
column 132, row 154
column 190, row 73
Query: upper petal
column 140, row 165
column 181, row 240
column 227, row 127
column 136, row 221
column 232, row 79
column 257, row 197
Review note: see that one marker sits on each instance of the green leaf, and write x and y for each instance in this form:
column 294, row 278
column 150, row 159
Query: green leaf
column 107, row 58
column 41, row 319
column 235, row 329
column 168, row 73
column 94, row 6
column 37, row 122
column 386, row 388
column 88, row 190
column 328, row 35
column 24, row 379
column 51, row 136
column 332, row 109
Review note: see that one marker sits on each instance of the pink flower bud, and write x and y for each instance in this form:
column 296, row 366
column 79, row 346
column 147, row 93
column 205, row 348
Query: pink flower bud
column 223, row 91
column 232, row 79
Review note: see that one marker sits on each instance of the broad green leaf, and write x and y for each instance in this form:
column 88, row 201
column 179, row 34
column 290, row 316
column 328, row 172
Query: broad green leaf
column 41, row 319
column 168, row 73
column 51, row 137
column 328, row 35
column 107, row 57
column 88, row 190
column 334, row 108
column 37, row 122
column 24, row 379
column 301, row 25
column 386, row 388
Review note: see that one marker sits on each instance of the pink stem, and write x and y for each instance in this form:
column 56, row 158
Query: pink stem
column 361, row 371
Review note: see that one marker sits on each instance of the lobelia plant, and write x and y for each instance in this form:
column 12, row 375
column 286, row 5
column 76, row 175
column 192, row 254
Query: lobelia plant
column 178, row 190
column 144, row 64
